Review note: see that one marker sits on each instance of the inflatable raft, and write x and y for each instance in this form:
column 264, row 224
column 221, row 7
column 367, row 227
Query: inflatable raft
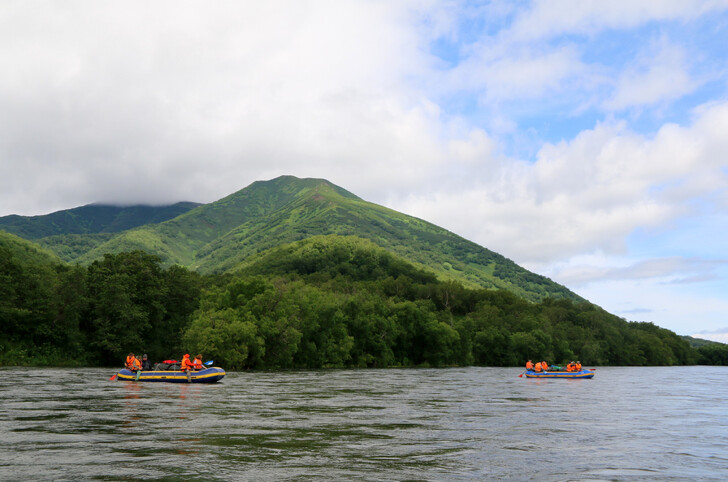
column 208, row 375
column 559, row 374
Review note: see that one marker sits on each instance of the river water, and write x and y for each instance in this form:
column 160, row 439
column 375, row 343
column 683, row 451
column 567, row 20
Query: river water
column 426, row 424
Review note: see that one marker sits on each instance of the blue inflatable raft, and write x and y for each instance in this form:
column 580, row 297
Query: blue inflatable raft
column 208, row 375
column 560, row 374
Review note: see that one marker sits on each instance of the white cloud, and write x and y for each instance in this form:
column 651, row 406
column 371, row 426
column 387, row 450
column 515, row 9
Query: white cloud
column 587, row 194
column 548, row 18
column 658, row 74
column 183, row 100
column 504, row 73
column 668, row 270
column 674, row 307
column 720, row 336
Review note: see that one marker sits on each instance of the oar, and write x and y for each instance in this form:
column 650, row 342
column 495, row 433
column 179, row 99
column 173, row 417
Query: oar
column 139, row 372
column 113, row 377
column 209, row 363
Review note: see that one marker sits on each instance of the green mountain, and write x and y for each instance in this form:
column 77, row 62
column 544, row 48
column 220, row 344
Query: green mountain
column 91, row 219
column 227, row 234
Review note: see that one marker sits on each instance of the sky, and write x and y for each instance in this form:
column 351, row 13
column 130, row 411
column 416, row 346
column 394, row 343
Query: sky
column 585, row 140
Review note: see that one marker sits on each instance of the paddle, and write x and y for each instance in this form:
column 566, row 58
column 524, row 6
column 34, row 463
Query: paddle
column 139, row 372
column 208, row 363
column 113, row 377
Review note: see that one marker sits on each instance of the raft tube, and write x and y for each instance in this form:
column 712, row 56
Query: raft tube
column 548, row 374
column 208, row 375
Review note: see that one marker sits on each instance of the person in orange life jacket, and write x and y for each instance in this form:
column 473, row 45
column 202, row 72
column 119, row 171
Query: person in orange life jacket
column 529, row 365
column 197, row 363
column 544, row 366
column 577, row 366
column 538, row 367
column 186, row 363
column 133, row 363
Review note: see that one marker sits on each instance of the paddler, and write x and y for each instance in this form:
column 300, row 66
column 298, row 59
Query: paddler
column 146, row 364
column 529, row 365
column 538, row 367
column 577, row 366
column 197, row 363
column 186, row 363
column 133, row 363
column 544, row 365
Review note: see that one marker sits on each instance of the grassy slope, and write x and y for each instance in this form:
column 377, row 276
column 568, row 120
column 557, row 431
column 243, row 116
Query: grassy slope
column 324, row 210
column 179, row 239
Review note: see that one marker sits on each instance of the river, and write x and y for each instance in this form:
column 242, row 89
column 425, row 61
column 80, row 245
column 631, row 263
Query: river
column 395, row 424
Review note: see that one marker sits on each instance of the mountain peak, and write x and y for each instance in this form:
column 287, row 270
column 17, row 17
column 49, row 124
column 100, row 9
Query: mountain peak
column 223, row 235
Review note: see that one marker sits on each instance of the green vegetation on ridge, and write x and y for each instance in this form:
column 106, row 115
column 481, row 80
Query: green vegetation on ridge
column 220, row 236
column 91, row 219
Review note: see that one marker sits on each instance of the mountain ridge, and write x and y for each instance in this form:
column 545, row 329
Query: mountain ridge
column 218, row 237
column 92, row 218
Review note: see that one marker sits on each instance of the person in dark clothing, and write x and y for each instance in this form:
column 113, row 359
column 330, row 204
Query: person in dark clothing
column 146, row 364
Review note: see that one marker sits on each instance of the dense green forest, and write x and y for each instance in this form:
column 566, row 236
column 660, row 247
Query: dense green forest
column 327, row 301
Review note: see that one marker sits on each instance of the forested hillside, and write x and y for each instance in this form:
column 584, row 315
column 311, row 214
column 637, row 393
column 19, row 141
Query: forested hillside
column 329, row 301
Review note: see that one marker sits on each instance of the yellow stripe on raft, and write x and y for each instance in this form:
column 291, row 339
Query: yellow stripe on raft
column 170, row 376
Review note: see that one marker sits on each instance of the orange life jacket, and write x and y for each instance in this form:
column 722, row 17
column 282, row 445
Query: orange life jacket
column 197, row 364
column 130, row 362
column 544, row 365
column 529, row 365
column 186, row 363
column 538, row 366
column 577, row 367
column 133, row 363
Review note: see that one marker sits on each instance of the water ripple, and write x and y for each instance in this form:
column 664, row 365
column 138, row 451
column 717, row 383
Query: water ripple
column 462, row 423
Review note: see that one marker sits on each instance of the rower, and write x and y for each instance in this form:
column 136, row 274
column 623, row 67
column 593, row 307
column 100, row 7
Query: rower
column 197, row 363
column 133, row 363
column 186, row 363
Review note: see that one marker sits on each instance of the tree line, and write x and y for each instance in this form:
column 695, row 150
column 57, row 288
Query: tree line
column 325, row 303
